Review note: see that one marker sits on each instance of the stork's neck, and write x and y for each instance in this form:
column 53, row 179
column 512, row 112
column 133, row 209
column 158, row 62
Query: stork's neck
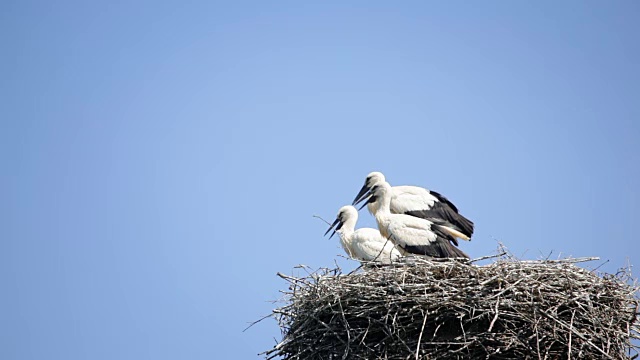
column 373, row 208
column 346, row 234
column 382, row 212
column 384, row 201
column 345, row 240
column 348, row 226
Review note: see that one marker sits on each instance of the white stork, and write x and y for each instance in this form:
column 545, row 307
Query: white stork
column 365, row 243
column 418, row 202
column 412, row 234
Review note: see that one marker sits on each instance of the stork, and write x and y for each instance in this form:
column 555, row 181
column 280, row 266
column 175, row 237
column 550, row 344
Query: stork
column 365, row 243
column 418, row 202
column 412, row 234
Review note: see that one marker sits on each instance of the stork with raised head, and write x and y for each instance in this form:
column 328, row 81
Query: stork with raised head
column 412, row 234
column 365, row 243
column 418, row 202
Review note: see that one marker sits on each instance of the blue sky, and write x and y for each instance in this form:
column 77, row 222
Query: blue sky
column 162, row 161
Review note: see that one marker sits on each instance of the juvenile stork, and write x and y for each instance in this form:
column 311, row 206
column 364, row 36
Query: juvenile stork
column 412, row 234
column 418, row 202
column 365, row 243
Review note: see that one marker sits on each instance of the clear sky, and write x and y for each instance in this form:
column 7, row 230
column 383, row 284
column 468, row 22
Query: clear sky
column 161, row 161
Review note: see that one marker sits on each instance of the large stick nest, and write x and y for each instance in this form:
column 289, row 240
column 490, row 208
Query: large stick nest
column 427, row 309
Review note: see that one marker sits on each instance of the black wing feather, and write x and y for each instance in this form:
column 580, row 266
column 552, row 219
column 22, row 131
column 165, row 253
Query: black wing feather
column 443, row 200
column 440, row 248
column 446, row 234
column 447, row 212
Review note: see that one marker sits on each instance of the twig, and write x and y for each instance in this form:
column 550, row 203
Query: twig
column 424, row 321
column 488, row 257
column 573, row 314
column 600, row 265
column 316, row 216
column 257, row 321
column 495, row 317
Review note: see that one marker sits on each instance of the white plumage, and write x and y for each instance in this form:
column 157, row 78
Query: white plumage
column 412, row 234
column 418, row 202
column 365, row 243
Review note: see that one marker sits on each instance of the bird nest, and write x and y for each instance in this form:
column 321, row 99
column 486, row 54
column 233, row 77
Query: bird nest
column 428, row 309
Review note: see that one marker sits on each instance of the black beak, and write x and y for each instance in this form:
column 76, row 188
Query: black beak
column 370, row 200
column 337, row 222
column 361, row 195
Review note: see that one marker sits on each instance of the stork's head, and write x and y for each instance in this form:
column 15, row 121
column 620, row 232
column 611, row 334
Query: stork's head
column 379, row 192
column 345, row 214
column 373, row 179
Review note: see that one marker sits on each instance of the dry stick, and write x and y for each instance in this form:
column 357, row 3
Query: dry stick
column 600, row 265
column 257, row 321
column 577, row 334
column 420, row 336
column 381, row 250
column 316, row 216
column 356, row 269
column 537, row 336
column 346, row 326
column 495, row 317
column 290, row 279
column 487, row 257
column 561, row 261
column 573, row 313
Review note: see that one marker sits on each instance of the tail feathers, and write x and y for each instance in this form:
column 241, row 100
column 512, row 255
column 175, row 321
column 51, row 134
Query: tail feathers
column 448, row 228
column 466, row 225
column 453, row 252
column 455, row 221
column 439, row 249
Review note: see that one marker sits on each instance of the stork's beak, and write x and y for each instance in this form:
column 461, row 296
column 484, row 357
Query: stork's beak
column 370, row 200
column 361, row 195
column 337, row 222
